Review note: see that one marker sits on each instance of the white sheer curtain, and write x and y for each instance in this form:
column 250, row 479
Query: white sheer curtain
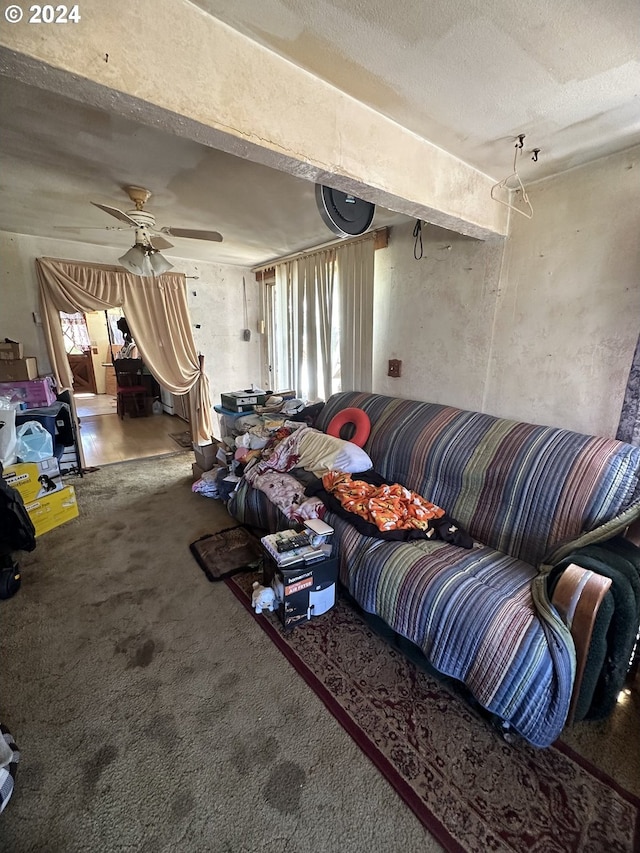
column 320, row 321
column 283, row 329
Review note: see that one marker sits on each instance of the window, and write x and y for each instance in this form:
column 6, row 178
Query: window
column 304, row 332
column 75, row 333
column 319, row 319
column 115, row 335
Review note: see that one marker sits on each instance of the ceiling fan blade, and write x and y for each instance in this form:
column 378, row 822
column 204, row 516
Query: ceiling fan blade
column 194, row 234
column 160, row 243
column 88, row 228
column 119, row 214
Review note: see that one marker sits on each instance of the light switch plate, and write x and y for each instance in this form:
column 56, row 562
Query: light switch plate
column 395, row 367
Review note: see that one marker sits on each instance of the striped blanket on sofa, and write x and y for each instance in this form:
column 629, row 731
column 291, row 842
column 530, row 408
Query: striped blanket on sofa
column 528, row 495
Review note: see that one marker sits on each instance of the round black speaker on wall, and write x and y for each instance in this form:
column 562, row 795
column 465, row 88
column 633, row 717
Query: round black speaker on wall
column 344, row 214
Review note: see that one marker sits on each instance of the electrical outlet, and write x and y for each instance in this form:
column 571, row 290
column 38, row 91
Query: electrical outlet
column 395, row 367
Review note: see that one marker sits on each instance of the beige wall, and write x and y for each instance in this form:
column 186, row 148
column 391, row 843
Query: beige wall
column 435, row 314
column 568, row 310
column 544, row 334
column 215, row 304
column 99, row 338
column 19, row 297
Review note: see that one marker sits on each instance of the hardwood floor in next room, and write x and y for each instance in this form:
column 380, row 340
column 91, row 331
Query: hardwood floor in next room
column 107, row 438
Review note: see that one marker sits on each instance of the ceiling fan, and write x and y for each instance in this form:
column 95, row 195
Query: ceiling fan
column 144, row 257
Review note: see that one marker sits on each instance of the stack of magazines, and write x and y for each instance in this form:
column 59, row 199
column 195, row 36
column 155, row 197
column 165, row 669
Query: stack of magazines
column 288, row 547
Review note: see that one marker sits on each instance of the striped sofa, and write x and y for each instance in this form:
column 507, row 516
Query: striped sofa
column 529, row 496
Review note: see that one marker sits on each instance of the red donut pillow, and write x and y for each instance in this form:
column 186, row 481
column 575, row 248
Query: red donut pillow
column 357, row 417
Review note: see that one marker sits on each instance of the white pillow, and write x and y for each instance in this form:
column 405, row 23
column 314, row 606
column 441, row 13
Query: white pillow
column 320, row 453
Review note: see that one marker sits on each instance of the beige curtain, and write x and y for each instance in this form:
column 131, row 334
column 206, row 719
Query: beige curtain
column 158, row 316
column 326, row 319
column 355, row 271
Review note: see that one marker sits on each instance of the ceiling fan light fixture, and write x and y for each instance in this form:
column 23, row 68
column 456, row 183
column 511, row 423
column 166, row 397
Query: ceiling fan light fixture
column 137, row 261
column 159, row 263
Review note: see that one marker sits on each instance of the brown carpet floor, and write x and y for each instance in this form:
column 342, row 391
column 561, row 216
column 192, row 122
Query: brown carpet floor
column 152, row 715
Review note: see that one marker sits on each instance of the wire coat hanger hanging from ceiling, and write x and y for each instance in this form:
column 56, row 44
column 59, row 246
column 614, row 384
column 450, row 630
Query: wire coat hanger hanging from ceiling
column 513, row 183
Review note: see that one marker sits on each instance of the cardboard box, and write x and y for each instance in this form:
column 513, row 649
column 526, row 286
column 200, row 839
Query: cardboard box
column 196, row 471
column 18, row 369
column 53, row 510
column 34, row 479
column 307, row 589
column 10, row 350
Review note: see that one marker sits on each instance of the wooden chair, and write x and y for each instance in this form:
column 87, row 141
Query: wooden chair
column 131, row 392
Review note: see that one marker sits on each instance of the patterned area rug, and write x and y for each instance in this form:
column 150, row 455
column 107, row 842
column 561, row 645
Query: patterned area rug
column 474, row 791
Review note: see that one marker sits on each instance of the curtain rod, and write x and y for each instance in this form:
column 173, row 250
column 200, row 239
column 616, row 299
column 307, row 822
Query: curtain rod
column 93, row 264
column 314, row 249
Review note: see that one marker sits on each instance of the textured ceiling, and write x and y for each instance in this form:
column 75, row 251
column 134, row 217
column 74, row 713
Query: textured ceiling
column 58, row 155
column 468, row 76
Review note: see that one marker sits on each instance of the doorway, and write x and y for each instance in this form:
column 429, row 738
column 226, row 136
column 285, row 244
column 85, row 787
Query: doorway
column 86, row 342
column 105, row 437
column 77, row 344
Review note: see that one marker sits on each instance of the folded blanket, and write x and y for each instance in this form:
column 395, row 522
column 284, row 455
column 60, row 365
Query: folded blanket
column 616, row 626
